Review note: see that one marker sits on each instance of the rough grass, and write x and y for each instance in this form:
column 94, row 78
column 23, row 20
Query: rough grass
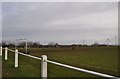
column 100, row 59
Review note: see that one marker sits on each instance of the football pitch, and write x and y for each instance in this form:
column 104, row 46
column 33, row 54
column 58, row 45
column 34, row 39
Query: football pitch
column 99, row 59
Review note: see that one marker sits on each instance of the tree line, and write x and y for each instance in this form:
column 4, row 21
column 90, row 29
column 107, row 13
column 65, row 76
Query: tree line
column 31, row 44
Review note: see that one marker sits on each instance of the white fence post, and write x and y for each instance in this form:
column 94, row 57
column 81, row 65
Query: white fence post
column 44, row 67
column 6, row 53
column 1, row 51
column 16, row 58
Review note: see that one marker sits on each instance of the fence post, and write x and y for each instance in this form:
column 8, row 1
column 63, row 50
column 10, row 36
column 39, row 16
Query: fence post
column 44, row 67
column 16, row 58
column 6, row 53
column 1, row 51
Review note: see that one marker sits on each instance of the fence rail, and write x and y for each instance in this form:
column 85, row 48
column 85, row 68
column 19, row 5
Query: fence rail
column 44, row 64
column 80, row 69
column 30, row 56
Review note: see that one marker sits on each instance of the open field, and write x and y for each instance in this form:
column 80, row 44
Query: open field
column 100, row 59
column 0, row 67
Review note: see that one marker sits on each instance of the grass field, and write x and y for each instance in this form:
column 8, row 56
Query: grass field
column 100, row 59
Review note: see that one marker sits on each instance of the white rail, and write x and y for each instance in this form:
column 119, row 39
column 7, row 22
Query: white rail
column 30, row 56
column 11, row 50
column 44, row 65
column 83, row 70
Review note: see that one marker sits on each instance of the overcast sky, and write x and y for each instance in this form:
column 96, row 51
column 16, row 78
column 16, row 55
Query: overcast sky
column 61, row 22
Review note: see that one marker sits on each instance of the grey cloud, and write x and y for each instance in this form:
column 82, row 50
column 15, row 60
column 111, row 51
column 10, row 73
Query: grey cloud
column 62, row 22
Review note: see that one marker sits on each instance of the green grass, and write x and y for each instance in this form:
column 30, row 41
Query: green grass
column 100, row 59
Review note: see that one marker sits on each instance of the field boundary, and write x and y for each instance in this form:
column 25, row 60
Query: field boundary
column 44, row 64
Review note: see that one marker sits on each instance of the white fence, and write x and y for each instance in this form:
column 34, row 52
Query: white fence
column 44, row 64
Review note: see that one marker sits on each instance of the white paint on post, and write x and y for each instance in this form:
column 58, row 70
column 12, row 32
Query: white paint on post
column 6, row 53
column 1, row 51
column 16, row 58
column 44, row 67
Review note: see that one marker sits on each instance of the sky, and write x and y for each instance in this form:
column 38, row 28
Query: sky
column 0, row 21
column 61, row 22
